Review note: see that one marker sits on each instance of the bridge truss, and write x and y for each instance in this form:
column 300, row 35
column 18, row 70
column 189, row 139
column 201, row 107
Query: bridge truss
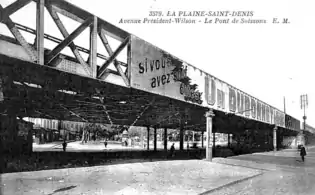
column 45, row 83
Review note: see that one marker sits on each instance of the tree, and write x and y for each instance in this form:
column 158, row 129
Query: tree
column 135, row 131
column 84, row 134
column 91, row 128
column 110, row 131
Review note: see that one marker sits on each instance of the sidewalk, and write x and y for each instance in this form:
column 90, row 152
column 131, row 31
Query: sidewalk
column 245, row 163
column 286, row 174
column 272, row 161
column 164, row 177
column 290, row 153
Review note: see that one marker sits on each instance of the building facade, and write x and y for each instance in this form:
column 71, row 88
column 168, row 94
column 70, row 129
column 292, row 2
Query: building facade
column 54, row 124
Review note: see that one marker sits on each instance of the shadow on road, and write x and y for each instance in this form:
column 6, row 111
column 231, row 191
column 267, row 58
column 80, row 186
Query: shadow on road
column 63, row 189
column 58, row 160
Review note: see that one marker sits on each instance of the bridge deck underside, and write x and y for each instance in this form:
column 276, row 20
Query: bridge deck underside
column 118, row 105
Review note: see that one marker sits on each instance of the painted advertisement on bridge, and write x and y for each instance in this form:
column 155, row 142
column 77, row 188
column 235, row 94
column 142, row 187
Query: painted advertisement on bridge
column 156, row 71
column 224, row 97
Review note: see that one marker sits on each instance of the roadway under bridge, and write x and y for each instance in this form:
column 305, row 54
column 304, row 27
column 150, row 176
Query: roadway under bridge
column 133, row 83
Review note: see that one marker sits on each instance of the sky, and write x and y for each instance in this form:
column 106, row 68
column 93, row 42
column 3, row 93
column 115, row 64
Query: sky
column 267, row 61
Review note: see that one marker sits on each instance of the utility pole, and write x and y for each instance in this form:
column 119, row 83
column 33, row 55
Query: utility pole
column 284, row 104
column 285, row 93
column 304, row 104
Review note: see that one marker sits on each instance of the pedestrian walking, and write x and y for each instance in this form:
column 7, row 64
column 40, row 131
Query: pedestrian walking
column 64, row 145
column 302, row 152
column 105, row 143
column 172, row 150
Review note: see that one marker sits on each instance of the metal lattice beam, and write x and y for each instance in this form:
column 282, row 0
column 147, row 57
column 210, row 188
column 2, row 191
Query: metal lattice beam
column 75, row 114
column 144, row 110
column 112, row 57
column 111, row 30
column 108, row 72
column 68, row 14
column 12, row 8
column 44, row 114
column 128, row 69
column 65, row 34
column 69, row 39
column 19, row 37
column 109, row 50
column 57, row 40
column 106, row 112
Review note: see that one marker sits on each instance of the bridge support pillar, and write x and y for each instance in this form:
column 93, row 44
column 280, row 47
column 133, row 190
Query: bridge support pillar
column 155, row 138
column 9, row 130
column 11, row 143
column 209, row 115
column 181, row 138
column 213, row 142
column 202, row 139
column 187, row 137
column 1, row 90
column 229, row 139
column 165, row 139
column 148, row 138
column 275, row 138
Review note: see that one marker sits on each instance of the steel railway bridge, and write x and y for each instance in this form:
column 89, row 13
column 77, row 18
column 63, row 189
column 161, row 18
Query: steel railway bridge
column 134, row 83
